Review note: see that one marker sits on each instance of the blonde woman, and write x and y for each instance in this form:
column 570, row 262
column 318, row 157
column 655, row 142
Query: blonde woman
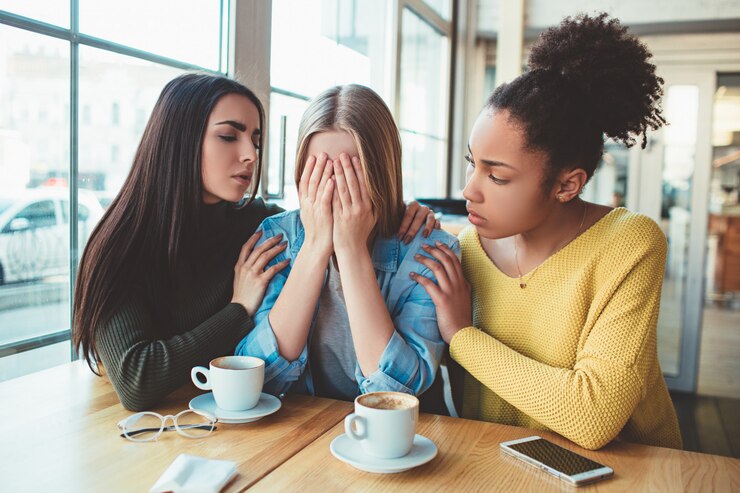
column 344, row 317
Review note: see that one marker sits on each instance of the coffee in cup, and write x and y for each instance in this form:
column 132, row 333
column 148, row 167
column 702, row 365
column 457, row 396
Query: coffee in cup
column 384, row 423
column 236, row 381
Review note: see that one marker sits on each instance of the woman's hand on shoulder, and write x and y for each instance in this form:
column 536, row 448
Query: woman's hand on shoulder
column 250, row 276
column 451, row 294
column 315, row 191
column 416, row 217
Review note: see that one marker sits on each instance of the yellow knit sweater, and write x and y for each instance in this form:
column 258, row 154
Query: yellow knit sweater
column 575, row 351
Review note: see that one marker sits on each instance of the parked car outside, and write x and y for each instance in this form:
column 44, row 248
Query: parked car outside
column 34, row 231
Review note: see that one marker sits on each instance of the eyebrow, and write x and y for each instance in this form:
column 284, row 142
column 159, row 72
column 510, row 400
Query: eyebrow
column 238, row 125
column 488, row 162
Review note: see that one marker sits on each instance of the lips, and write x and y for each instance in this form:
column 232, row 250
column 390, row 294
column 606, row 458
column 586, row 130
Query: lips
column 244, row 178
column 474, row 218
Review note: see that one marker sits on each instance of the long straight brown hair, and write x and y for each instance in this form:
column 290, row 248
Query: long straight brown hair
column 150, row 228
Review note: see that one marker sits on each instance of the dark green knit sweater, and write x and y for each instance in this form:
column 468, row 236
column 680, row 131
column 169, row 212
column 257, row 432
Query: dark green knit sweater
column 146, row 360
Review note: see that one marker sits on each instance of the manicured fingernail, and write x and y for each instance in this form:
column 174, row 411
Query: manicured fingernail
column 439, row 244
column 417, row 256
column 425, row 246
column 412, row 275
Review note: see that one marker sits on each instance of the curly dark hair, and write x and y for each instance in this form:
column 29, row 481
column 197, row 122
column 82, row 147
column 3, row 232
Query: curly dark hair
column 588, row 79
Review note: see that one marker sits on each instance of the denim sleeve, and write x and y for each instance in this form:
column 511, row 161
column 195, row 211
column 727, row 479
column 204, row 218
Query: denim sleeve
column 412, row 356
column 261, row 342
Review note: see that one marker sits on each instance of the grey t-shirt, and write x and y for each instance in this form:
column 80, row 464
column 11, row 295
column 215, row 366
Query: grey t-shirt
column 332, row 356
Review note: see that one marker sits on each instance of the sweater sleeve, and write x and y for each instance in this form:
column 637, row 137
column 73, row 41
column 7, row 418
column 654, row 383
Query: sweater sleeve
column 143, row 371
column 590, row 403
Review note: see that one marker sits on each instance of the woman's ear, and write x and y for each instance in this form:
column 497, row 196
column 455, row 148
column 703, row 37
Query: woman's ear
column 569, row 184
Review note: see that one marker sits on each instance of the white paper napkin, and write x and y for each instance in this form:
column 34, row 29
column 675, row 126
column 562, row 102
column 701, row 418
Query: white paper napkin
column 192, row 474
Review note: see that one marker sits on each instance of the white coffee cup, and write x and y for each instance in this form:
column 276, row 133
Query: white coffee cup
column 384, row 423
column 236, row 381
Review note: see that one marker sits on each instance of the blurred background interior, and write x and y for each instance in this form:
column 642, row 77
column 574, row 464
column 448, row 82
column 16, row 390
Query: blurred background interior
column 78, row 80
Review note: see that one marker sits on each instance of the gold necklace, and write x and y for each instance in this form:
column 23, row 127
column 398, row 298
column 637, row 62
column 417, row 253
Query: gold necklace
column 523, row 284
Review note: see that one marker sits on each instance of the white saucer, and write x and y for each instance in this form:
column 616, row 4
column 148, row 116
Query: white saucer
column 350, row 451
column 267, row 404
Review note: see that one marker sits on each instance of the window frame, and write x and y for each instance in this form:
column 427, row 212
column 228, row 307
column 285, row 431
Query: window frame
column 76, row 39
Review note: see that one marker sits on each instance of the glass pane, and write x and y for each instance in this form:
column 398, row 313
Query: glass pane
column 34, row 164
column 17, row 365
column 424, row 107
column 681, row 109
column 50, row 11
column 719, row 359
column 284, row 112
column 117, row 94
column 441, row 6
column 421, row 178
column 608, row 186
column 187, row 30
column 317, row 44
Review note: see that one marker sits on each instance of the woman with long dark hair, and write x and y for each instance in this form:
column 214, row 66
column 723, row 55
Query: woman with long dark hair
column 565, row 293
column 170, row 278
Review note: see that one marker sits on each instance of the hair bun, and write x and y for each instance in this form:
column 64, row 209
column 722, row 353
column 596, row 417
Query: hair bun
column 612, row 83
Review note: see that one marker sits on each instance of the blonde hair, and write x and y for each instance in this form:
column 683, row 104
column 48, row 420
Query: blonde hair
column 360, row 111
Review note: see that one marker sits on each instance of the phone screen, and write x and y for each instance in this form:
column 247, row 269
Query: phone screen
column 556, row 457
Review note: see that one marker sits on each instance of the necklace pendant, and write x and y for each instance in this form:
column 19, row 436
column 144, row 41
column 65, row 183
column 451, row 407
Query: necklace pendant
column 522, row 285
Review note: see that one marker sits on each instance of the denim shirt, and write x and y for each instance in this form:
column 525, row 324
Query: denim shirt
column 410, row 360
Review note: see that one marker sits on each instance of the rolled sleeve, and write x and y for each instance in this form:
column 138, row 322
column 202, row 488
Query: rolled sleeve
column 410, row 360
column 413, row 354
column 279, row 372
column 261, row 342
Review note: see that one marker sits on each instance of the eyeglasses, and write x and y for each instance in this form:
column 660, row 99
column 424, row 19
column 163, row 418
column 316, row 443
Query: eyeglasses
column 147, row 426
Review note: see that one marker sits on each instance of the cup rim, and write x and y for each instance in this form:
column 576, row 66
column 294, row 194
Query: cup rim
column 403, row 394
column 258, row 363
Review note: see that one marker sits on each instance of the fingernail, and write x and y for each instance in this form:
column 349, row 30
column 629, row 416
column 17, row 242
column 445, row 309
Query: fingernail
column 412, row 275
column 425, row 246
column 425, row 234
column 417, row 256
column 407, row 240
column 439, row 244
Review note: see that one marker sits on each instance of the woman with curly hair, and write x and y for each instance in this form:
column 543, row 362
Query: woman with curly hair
column 565, row 293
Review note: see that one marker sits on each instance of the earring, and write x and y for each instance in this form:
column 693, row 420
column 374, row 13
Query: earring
column 560, row 197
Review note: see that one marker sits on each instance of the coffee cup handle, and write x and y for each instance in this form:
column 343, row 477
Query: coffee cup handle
column 354, row 421
column 206, row 374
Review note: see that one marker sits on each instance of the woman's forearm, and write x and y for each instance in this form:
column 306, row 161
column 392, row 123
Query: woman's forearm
column 369, row 320
column 291, row 316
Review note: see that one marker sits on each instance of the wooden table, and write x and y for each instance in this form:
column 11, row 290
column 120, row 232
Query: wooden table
column 58, row 433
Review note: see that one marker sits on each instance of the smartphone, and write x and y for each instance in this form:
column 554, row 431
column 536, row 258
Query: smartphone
column 562, row 463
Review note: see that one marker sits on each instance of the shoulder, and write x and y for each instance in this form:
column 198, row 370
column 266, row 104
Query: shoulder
column 286, row 221
column 627, row 232
column 437, row 235
column 626, row 237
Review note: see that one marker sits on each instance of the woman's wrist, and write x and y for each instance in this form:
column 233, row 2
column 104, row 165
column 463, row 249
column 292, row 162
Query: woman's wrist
column 316, row 249
column 351, row 249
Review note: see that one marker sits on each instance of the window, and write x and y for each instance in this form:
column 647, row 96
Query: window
column 424, row 96
column 353, row 41
column 74, row 104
